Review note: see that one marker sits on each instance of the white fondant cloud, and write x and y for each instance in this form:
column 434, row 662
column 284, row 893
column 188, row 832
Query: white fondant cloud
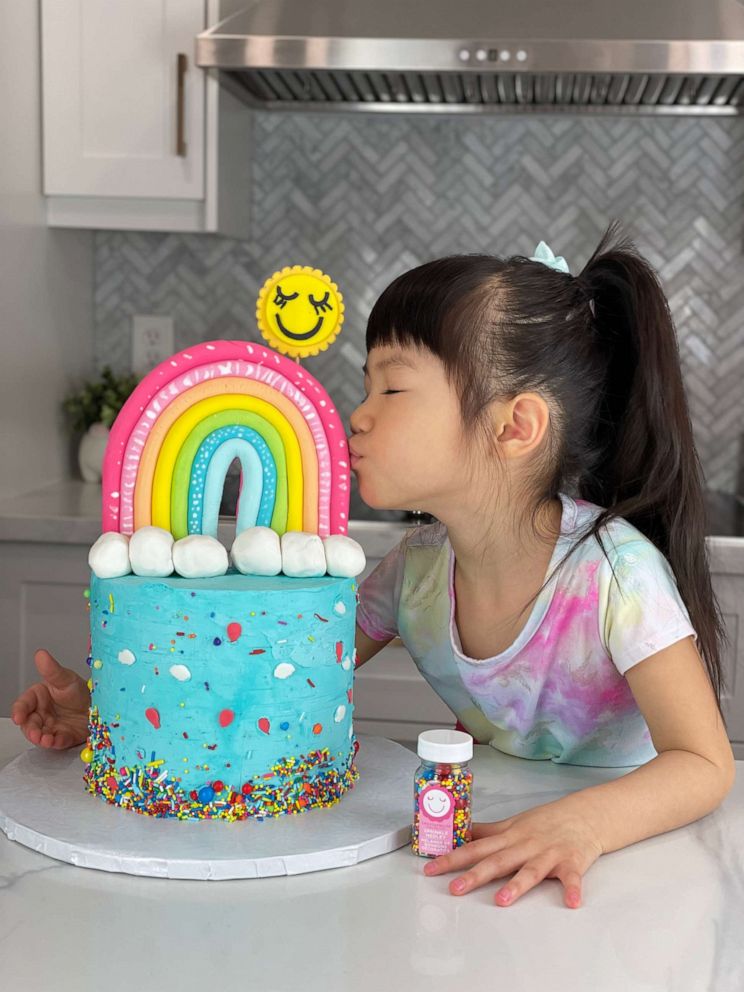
column 199, row 556
column 151, row 552
column 257, row 551
column 344, row 556
column 109, row 556
column 302, row 554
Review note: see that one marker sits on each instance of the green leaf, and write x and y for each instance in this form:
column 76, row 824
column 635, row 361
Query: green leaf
column 98, row 400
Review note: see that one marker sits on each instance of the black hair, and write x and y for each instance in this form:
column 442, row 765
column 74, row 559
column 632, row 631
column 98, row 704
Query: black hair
column 601, row 348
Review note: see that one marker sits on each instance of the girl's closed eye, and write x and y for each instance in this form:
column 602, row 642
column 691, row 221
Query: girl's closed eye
column 384, row 392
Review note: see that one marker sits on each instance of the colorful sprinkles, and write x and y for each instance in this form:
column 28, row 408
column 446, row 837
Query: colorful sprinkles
column 293, row 785
column 458, row 781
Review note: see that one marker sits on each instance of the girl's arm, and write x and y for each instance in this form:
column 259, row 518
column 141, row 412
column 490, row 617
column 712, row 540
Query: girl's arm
column 694, row 768
column 690, row 776
column 366, row 647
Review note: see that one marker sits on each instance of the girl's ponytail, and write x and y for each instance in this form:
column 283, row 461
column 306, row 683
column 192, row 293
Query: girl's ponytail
column 648, row 470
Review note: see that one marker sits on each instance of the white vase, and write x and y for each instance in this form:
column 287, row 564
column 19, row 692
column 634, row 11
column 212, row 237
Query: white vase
column 91, row 451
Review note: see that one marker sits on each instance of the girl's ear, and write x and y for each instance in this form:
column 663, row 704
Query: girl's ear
column 521, row 424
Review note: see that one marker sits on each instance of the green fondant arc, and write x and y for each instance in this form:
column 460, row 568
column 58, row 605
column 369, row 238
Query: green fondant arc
column 190, row 447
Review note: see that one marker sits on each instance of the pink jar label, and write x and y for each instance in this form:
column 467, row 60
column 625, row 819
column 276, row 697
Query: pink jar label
column 436, row 809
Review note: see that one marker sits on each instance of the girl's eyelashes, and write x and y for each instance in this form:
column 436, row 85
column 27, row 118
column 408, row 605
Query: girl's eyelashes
column 384, row 392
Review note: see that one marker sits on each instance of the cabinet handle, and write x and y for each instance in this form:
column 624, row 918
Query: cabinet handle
column 182, row 65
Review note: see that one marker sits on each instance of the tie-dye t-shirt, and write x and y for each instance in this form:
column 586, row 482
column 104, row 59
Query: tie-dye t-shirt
column 558, row 691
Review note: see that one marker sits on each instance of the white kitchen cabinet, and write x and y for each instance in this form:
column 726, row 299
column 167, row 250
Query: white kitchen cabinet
column 727, row 575
column 136, row 136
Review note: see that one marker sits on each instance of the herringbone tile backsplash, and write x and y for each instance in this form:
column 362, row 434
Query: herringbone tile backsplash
column 364, row 197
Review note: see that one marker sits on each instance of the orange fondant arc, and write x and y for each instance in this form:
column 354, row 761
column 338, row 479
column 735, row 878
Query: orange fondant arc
column 224, row 393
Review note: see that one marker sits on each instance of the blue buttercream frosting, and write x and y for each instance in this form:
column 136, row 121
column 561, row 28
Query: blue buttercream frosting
column 220, row 680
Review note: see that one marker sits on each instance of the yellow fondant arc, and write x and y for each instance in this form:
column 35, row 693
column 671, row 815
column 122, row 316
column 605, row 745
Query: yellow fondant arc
column 182, row 427
column 187, row 455
column 286, row 419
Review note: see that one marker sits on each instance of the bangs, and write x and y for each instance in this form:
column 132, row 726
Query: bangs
column 421, row 306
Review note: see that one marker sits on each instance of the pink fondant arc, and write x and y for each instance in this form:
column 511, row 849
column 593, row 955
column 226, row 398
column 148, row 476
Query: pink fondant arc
column 185, row 369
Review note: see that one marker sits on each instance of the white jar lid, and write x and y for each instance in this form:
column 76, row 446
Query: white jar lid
column 445, row 746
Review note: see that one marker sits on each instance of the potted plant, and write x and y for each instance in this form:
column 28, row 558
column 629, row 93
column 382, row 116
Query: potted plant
column 92, row 410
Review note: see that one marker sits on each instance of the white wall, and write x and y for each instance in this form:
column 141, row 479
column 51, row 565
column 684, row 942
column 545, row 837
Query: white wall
column 46, row 278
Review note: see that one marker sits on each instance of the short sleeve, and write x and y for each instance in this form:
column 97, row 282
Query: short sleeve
column 644, row 609
column 379, row 596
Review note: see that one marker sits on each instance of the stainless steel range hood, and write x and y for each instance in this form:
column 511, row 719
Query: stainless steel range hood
column 503, row 56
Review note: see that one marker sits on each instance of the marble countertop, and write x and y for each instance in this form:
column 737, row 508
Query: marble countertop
column 664, row 914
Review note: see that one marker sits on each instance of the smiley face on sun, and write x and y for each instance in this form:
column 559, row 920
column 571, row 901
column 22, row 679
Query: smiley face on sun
column 299, row 311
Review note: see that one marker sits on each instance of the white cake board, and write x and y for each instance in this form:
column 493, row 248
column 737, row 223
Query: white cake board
column 44, row 806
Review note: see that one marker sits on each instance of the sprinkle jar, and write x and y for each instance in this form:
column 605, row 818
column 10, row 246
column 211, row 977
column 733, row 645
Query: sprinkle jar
column 442, row 792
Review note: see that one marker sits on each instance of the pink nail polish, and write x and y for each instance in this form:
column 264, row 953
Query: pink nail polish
column 458, row 885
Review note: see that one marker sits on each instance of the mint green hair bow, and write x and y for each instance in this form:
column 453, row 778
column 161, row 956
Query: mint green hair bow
column 545, row 255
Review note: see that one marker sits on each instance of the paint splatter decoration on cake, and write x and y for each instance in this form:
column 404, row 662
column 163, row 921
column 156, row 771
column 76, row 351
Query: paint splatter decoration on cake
column 188, row 696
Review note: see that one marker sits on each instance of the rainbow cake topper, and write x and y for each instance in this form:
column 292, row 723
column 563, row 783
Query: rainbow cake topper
column 300, row 311
column 171, row 445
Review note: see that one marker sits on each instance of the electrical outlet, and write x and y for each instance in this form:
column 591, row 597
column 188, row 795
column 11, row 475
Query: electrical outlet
column 152, row 341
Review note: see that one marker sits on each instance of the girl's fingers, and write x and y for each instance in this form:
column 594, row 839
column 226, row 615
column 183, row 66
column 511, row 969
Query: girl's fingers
column 19, row 711
column 52, row 672
column 526, row 878
column 468, row 854
column 26, row 704
column 46, row 736
column 571, row 880
column 64, row 737
column 480, row 830
column 494, row 866
column 35, row 717
column 32, row 728
column 532, row 874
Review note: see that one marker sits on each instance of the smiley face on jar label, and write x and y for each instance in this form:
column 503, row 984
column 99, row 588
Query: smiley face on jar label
column 436, row 802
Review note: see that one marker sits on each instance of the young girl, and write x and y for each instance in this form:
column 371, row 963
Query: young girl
column 562, row 604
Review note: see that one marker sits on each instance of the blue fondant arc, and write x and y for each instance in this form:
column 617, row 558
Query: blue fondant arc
column 204, row 500
column 251, row 485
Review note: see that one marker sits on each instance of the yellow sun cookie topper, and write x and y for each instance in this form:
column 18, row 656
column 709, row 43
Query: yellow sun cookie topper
column 299, row 311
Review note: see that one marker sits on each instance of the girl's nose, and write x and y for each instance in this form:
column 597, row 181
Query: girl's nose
column 360, row 421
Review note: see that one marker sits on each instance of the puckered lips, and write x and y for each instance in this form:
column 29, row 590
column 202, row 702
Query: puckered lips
column 355, row 456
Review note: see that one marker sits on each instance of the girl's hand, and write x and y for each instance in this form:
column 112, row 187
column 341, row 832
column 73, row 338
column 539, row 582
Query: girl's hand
column 550, row 841
column 53, row 713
